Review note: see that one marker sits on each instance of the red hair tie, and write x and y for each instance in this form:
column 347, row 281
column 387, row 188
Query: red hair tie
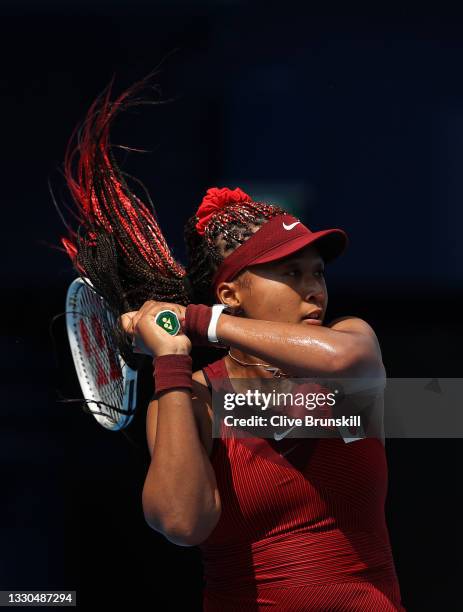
column 215, row 200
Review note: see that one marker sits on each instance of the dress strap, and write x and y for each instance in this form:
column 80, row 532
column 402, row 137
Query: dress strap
column 206, row 376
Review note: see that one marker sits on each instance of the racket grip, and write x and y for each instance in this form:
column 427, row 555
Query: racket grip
column 168, row 321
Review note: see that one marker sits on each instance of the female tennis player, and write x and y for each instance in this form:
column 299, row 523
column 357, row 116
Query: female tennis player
column 283, row 523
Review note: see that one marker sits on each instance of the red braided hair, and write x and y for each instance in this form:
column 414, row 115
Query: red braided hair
column 101, row 194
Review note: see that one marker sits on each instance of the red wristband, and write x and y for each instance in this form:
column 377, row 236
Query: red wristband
column 172, row 371
column 196, row 323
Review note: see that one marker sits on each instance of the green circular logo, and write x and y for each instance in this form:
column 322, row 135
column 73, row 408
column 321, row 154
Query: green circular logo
column 169, row 322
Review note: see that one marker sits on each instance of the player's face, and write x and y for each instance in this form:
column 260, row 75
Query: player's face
column 285, row 290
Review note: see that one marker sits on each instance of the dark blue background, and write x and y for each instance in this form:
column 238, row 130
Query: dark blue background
column 349, row 120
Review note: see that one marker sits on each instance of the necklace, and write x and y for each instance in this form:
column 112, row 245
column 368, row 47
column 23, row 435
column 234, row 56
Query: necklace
column 277, row 373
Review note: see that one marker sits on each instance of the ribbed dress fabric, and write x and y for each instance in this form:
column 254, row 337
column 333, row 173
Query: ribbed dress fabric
column 299, row 532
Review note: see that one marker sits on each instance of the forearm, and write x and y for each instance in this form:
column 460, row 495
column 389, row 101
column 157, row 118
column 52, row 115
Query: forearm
column 298, row 349
column 180, row 494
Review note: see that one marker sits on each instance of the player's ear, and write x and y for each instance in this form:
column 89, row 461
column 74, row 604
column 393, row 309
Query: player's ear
column 229, row 293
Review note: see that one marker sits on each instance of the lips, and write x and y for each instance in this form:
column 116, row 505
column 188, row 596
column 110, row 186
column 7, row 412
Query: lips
column 314, row 315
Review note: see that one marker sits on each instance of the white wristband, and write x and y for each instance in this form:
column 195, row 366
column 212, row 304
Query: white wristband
column 211, row 330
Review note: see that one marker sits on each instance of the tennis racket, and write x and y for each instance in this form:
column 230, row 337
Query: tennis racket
column 108, row 384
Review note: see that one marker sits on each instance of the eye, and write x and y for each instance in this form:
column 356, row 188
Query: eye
column 293, row 272
column 320, row 273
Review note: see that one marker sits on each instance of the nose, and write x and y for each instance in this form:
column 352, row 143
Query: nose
column 313, row 288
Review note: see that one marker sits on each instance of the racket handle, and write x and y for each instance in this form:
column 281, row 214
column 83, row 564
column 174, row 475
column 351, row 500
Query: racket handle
column 168, row 320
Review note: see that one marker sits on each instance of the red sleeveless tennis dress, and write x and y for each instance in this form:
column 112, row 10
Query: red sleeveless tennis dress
column 302, row 526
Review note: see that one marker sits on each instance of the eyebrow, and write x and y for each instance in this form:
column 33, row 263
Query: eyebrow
column 298, row 259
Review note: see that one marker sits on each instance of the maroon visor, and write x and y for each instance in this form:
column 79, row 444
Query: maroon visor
column 280, row 236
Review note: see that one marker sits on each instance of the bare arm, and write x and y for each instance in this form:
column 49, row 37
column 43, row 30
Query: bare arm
column 347, row 347
column 180, row 496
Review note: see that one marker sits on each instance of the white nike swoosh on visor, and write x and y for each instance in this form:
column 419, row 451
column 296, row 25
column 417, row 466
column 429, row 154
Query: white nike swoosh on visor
column 289, row 227
column 280, row 436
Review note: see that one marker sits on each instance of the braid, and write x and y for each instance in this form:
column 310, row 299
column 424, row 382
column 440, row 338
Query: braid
column 226, row 231
column 118, row 244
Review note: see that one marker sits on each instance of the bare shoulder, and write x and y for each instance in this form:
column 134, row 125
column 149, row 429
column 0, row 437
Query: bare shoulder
column 365, row 394
column 352, row 324
column 363, row 331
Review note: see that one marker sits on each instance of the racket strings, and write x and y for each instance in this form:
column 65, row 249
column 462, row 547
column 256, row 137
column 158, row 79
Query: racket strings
column 97, row 402
column 85, row 401
column 108, row 384
column 100, row 352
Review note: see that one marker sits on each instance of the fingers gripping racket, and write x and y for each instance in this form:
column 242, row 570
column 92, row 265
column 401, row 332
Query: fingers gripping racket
column 108, row 384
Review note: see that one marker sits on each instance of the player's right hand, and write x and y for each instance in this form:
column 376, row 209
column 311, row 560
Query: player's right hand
column 149, row 337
